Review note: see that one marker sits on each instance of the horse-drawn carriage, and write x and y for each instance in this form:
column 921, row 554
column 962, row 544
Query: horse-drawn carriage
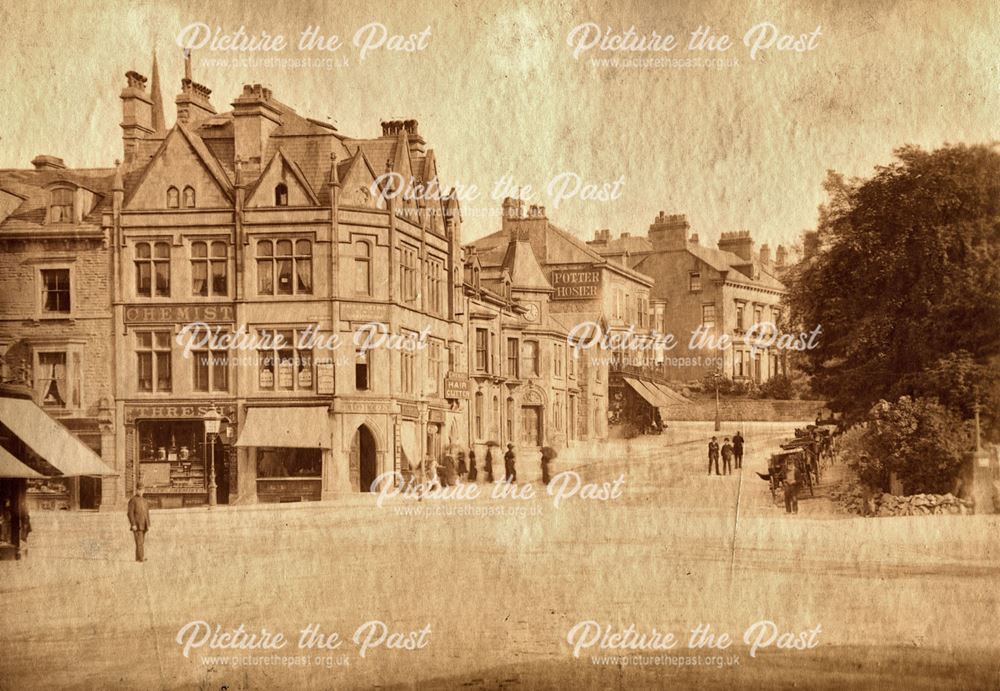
column 777, row 467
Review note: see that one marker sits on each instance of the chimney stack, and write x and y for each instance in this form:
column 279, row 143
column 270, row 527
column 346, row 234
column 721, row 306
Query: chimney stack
column 739, row 243
column 669, row 231
column 765, row 254
column 193, row 102
column 137, row 114
column 255, row 117
column 781, row 256
column 45, row 162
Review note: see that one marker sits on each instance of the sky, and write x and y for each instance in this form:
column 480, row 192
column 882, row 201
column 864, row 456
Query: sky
column 742, row 144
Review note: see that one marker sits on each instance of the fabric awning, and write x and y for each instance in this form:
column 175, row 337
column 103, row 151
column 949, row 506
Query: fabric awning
column 11, row 467
column 670, row 396
column 55, row 444
column 647, row 395
column 296, row 428
column 411, row 447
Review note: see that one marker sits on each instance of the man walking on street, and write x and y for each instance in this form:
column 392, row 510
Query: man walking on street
column 138, row 518
column 713, row 456
column 510, row 471
column 738, row 449
column 727, row 458
column 791, row 487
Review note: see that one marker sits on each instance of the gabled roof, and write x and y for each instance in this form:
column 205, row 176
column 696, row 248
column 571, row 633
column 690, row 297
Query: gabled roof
column 212, row 165
column 280, row 159
column 33, row 188
column 525, row 273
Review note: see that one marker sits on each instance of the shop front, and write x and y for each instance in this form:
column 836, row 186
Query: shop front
column 287, row 451
column 169, row 452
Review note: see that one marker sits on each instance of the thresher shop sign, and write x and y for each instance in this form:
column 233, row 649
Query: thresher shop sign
column 576, row 284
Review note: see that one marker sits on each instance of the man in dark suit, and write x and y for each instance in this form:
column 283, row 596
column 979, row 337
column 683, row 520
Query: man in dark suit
column 138, row 518
column 738, row 449
column 713, row 456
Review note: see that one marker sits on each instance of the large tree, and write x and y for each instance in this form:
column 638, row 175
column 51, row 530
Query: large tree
column 906, row 281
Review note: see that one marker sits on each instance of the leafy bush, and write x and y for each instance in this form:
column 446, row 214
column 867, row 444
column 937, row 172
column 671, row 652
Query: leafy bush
column 779, row 388
column 920, row 440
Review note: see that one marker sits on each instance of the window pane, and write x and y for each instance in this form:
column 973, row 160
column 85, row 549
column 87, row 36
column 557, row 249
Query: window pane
column 304, row 267
column 142, row 250
column 219, row 286
column 163, row 376
column 161, row 250
column 145, row 373
column 284, row 248
column 201, row 360
column 220, row 372
column 265, row 277
column 198, row 249
column 143, row 281
column 162, row 339
column 199, row 278
column 218, row 249
column 162, row 278
column 264, row 248
column 144, row 339
column 284, row 276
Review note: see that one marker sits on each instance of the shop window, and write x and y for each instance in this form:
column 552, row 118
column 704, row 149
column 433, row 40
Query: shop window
column 284, row 267
column 152, row 269
column 209, row 262
column 55, row 291
column 172, row 454
column 153, row 353
column 173, row 198
column 289, row 463
column 188, row 197
column 283, row 365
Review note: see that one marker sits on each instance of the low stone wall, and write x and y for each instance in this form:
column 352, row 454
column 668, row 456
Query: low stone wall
column 850, row 497
column 744, row 409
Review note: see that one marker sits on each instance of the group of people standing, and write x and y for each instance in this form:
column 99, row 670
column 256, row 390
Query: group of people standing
column 731, row 451
column 463, row 468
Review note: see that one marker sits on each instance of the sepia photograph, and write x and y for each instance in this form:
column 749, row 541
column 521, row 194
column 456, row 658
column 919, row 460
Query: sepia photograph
column 500, row 345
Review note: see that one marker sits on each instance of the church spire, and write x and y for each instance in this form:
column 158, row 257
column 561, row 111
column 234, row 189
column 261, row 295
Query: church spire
column 154, row 92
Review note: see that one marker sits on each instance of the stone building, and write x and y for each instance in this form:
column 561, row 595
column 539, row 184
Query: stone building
column 709, row 291
column 55, row 311
column 570, row 292
column 261, row 223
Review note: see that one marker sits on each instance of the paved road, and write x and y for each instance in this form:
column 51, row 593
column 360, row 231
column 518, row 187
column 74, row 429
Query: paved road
column 902, row 602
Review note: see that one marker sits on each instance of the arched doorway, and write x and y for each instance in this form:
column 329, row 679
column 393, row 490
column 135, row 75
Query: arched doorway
column 363, row 458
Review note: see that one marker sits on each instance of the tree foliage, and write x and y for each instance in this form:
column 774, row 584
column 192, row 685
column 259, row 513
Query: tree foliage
column 906, row 283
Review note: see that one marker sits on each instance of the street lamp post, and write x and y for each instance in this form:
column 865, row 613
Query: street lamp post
column 718, row 412
column 213, row 420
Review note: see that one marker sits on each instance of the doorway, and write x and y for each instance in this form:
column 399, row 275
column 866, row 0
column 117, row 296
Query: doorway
column 90, row 493
column 363, row 458
column 531, row 425
column 221, row 473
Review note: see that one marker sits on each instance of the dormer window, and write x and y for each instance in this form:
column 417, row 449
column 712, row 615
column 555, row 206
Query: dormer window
column 281, row 194
column 173, row 198
column 61, row 206
column 188, row 197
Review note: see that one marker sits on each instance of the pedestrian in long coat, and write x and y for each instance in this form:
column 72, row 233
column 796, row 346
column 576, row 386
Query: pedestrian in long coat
column 509, row 464
column 138, row 518
column 448, row 469
column 489, row 464
column 463, row 469
column 473, row 470
column 545, row 469
column 738, row 449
